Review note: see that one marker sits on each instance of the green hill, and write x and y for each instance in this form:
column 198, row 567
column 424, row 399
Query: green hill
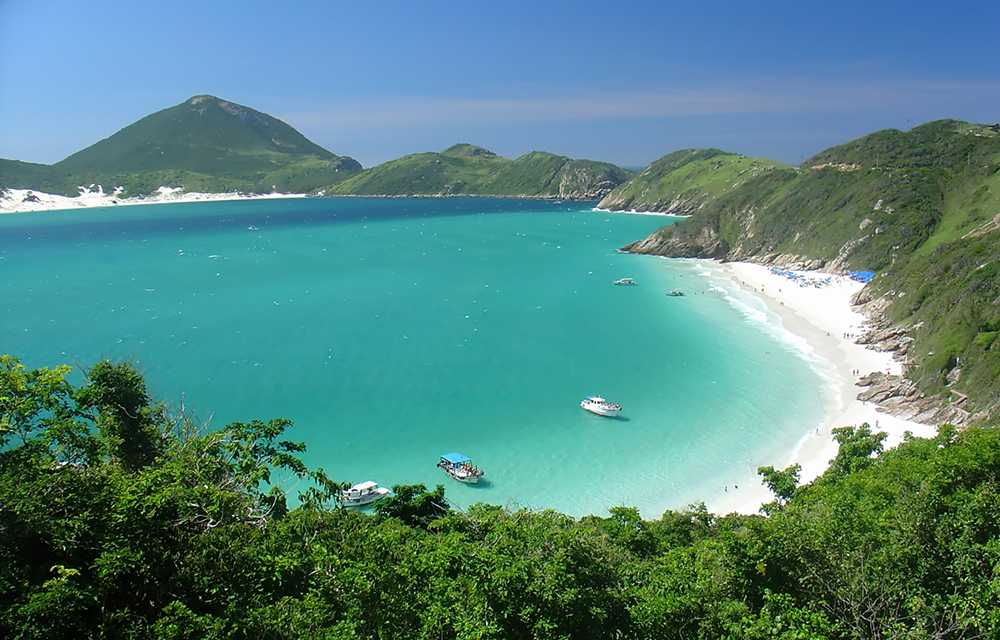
column 202, row 144
column 15, row 174
column 198, row 135
column 685, row 181
column 468, row 170
column 919, row 208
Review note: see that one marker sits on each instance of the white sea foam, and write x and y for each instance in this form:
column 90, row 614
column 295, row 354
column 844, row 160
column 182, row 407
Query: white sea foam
column 756, row 313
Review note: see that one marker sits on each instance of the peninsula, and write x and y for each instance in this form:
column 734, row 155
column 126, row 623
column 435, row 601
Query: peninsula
column 919, row 210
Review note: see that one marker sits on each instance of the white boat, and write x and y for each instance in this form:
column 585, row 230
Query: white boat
column 600, row 406
column 625, row 281
column 675, row 293
column 460, row 468
column 362, row 494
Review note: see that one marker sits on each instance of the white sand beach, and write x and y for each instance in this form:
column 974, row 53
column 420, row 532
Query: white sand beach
column 823, row 317
column 24, row 200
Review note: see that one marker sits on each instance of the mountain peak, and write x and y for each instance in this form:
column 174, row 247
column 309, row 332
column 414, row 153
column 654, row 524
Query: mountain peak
column 202, row 98
column 465, row 149
column 197, row 135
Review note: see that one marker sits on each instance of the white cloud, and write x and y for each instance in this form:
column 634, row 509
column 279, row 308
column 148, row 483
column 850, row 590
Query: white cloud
column 762, row 96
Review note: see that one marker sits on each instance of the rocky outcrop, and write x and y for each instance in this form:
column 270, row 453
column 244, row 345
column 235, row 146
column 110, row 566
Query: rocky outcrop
column 707, row 244
column 784, row 260
column 901, row 398
column 898, row 396
column 577, row 183
column 685, row 204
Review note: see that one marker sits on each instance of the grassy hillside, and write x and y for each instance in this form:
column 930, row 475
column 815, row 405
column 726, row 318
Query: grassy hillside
column 919, row 208
column 465, row 169
column 688, row 180
column 950, row 296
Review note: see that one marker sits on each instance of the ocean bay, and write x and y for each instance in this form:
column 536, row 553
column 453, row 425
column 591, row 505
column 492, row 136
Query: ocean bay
column 392, row 331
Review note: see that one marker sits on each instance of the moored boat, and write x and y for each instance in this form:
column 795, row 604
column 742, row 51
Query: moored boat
column 362, row 494
column 625, row 281
column 460, row 468
column 600, row 406
column 675, row 292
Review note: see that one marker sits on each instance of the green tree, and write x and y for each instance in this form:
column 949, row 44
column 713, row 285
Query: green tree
column 413, row 504
column 30, row 401
column 858, row 450
column 781, row 483
column 115, row 399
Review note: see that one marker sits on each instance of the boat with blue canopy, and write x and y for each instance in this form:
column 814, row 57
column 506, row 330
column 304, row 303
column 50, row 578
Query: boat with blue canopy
column 460, row 468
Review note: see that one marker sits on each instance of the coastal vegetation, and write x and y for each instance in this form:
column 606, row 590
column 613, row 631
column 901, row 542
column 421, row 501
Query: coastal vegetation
column 121, row 518
column 919, row 208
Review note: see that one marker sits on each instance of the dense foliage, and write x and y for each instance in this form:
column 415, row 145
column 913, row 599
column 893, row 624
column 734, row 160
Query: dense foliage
column 120, row 519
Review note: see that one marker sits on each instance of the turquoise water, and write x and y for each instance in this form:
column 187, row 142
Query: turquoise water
column 394, row 330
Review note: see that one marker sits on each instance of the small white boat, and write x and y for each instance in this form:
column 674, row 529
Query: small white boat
column 625, row 281
column 675, row 292
column 362, row 494
column 600, row 406
column 460, row 468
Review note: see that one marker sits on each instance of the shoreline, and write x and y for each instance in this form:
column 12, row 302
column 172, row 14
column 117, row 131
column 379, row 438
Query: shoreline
column 13, row 200
column 824, row 318
column 644, row 213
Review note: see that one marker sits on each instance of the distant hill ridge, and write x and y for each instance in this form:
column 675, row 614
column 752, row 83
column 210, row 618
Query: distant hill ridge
column 468, row 170
column 207, row 144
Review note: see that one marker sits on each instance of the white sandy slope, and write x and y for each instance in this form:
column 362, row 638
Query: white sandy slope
column 24, row 200
column 824, row 318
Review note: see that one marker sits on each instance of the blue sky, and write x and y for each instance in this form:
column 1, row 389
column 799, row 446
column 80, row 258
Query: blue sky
column 620, row 82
